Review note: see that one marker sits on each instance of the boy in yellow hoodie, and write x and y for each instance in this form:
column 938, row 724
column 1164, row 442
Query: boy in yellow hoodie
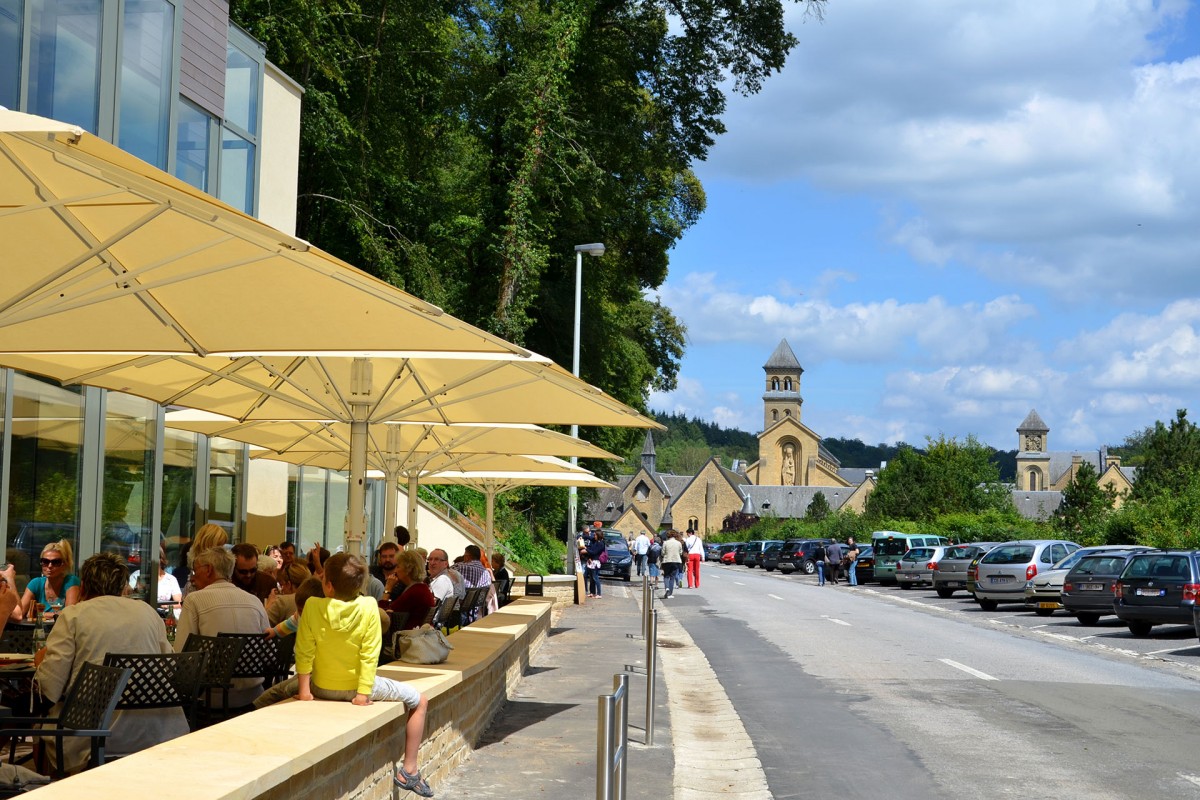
column 337, row 650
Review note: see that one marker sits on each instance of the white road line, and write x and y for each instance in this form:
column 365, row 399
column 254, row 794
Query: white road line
column 1194, row 779
column 774, row 597
column 738, row 583
column 983, row 676
column 1060, row 636
column 836, row 621
column 1167, row 650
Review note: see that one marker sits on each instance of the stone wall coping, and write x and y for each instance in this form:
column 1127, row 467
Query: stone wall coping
column 248, row 755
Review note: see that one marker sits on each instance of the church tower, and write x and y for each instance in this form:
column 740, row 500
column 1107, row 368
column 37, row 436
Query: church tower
column 1033, row 459
column 782, row 396
column 649, row 457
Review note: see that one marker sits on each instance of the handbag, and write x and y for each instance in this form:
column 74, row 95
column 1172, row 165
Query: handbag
column 423, row 645
column 603, row 557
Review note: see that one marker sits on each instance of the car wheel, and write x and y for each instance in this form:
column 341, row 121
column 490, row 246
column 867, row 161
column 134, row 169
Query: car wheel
column 905, row 585
column 1139, row 627
column 987, row 605
column 769, row 569
column 945, row 594
column 786, row 570
column 1043, row 612
column 810, row 567
column 1087, row 620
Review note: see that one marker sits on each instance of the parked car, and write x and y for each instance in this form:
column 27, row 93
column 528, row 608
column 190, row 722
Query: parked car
column 620, row 559
column 770, row 556
column 1043, row 592
column 955, row 565
column 712, row 552
column 1001, row 575
column 797, row 555
column 729, row 551
column 918, row 566
column 754, row 551
column 1157, row 587
column 1087, row 590
column 864, row 569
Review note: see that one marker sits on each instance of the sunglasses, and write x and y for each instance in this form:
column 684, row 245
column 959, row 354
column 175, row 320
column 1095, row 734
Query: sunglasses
column 246, row 571
column 51, row 562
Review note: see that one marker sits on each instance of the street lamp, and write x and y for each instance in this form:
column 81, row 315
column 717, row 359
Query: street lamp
column 595, row 249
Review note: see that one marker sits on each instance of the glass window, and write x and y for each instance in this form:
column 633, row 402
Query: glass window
column 192, row 145
column 241, row 89
column 310, row 527
column 225, row 476
column 180, row 451
column 127, row 508
column 237, row 171
column 10, row 51
column 64, row 68
column 44, row 477
column 337, row 501
column 147, row 36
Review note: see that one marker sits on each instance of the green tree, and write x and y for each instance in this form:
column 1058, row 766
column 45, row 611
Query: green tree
column 1085, row 504
column 818, row 509
column 950, row 476
column 1171, row 459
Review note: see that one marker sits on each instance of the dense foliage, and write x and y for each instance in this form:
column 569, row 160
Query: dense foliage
column 949, row 477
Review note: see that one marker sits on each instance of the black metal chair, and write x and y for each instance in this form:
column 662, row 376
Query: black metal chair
column 473, row 605
column 535, row 589
column 447, row 615
column 223, row 655
column 262, row 656
column 504, row 592
column 87, row 711
column 161, row 680
column 17, row 639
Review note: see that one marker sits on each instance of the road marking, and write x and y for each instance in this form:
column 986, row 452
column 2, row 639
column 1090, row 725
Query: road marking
column 774, row 597
column 983, row 676
column 836, row 621
column 1167, row 650
column 738, row 583
column 1059, row 636
column 1193, row 778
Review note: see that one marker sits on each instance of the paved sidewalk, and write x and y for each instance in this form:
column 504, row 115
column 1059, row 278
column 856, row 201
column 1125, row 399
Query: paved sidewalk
column 543, row 742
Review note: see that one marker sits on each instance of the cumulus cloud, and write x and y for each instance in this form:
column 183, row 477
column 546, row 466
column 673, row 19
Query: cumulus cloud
column 1070, row 162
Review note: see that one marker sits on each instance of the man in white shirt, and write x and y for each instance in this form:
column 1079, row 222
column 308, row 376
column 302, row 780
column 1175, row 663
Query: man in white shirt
column 441, row 577
column 641, row 547
column 216, row 607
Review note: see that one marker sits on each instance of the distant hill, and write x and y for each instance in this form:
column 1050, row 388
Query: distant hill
column 688, row 443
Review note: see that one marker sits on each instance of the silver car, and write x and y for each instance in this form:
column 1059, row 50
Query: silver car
column 952, row 569
column 1043, row 593
column 1002, row 573
column 918, row 566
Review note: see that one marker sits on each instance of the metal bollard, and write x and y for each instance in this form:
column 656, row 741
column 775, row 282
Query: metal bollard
column 651, row 671
column 647, row 603
column 612, row 740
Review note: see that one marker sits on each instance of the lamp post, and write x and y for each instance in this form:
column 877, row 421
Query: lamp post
column 595, row 249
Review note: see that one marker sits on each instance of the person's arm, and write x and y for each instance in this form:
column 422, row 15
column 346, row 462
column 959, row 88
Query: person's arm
column 305, row 690
column 368, row 654
column 71, row 596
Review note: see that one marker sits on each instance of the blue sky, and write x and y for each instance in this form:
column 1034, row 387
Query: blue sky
column 954, row 212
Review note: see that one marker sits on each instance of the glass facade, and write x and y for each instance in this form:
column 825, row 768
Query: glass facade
column 239, row 133
column 127, row 491
column 147, row 49
column 64, row 72
column 180, row 467
column 10, row 52
column 193, row 146
column 226, row 476
column 317, row 503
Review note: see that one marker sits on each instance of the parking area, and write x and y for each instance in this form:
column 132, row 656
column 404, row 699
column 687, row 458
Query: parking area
column 1176, row 645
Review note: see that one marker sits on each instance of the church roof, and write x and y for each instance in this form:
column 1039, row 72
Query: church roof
column 1037, row 505
column 791, row 502
column 648, row 445
column 783, row 358
column 1033, row 424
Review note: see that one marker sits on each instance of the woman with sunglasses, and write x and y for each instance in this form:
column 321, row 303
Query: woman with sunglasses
column 57, row 587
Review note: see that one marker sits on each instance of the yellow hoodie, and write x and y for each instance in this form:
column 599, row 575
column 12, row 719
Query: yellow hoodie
column 338, row 643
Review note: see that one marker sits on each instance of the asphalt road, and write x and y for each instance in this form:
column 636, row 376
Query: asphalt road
column 858, row 693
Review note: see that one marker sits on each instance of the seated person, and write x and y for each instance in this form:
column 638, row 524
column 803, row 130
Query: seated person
column 57, row 587
column 309, row 588
column 337, row 649
column 105, row 622
column 416, row 599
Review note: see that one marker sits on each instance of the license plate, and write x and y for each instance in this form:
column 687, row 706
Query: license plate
column 1091, row 587
column 954, row 584
column 1000, row 578
column 1150, row 592
column 1049, row 605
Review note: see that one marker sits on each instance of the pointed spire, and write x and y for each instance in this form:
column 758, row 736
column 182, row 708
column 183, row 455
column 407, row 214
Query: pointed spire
column 649, row 459
column 1033, row 424
column 783, row 358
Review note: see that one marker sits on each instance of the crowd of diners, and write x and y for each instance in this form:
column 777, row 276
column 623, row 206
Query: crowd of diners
column 339, row 608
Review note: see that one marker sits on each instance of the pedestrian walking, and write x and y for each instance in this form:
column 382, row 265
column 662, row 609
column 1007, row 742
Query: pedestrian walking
column 833, row 552
column 672, row 562
column 695, row 554
column 653, row 557
column 641, row 548
column 819, row 559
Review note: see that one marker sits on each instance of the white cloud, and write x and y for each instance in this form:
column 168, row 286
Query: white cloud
column 1037, row 144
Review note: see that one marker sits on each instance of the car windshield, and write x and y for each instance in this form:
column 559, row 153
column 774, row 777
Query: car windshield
column 1070, row 560
column 918, row 553
column 1010, row 554
column 891, row 547
column 962, row 551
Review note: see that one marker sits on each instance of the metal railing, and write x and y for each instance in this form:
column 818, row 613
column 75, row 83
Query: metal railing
column 612, row 740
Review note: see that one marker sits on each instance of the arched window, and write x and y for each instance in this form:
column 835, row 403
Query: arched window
column 774, row 384
column 694, row 523
column 787, row 384
column 1035, row 480
column 787, row 411
column 775, row 415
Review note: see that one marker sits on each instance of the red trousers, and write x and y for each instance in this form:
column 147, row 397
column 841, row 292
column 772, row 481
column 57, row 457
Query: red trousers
column 693, row 570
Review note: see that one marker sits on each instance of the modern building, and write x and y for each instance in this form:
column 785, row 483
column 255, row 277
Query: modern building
column 177, row 84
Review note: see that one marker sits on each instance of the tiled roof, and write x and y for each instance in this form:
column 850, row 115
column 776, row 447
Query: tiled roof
column 783, row 358
column 791, row 502
column 1033, row 424
column 1037, row 505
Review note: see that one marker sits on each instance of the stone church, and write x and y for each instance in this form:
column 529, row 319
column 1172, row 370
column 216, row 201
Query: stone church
column 792, row 467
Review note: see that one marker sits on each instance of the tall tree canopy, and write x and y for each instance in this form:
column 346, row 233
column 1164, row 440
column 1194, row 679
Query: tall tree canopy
column 1170, row 459
column 949, row 477
column 462, row 149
